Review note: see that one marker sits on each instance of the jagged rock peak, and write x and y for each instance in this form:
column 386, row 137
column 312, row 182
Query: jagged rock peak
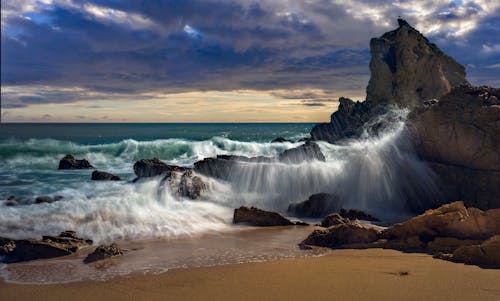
column 406, row 69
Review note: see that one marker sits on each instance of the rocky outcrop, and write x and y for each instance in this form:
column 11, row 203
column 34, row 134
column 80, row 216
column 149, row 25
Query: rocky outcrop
column 484, row 254
column 317, row 205
column 344, row 235
column 69, row 162
column 309, row 151
column 406, row 71
column 333, row 220
column 356, row 214
column 98, row 175
column 64, row 244
column 280, row 140
column 154, row 167
column 458, row 136
column 258, row 217
column 103, row 252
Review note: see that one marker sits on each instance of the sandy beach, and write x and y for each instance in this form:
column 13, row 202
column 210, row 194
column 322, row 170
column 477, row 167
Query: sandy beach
column 373, row 274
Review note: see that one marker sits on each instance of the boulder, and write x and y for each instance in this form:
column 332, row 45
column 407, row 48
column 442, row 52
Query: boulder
column 190, row 185
column 317, row 205
column 280, row 140
column 98, row 175
column 344, row 235
column 333, row 220
column 309, row 151
column 487, row 253
column 69, row 162
column 50, row 246
column 258, row 217
column 13, row 201
column 154, row 167
column 451, row 220
column 222, row 166
column 103, row 252
column 357, row 214
column 458, row 136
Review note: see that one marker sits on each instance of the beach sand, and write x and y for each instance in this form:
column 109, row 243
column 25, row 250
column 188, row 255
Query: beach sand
column 373, row 274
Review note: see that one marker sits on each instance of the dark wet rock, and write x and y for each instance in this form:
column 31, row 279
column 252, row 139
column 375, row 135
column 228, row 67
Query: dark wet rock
column 13, row 201
column 98, row 175
column 300, row 223
column 308, row 151
column 258, row 217
column 351, row 234
column 458, row 136
column 190, row 185
column 222, row 166
column 154, row 167
column 69, row 162
column 357, row 214
column 280, row 140
column 7, row 245
column 48, row 199
column 103, row 252
column 50, row 246
column 333, row 220
column 318, row 205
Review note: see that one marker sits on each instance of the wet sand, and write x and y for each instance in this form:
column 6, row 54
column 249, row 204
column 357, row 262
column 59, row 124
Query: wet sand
column 373, row 274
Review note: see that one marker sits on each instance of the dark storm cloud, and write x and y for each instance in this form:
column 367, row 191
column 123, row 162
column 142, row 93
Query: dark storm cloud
column 134, row 46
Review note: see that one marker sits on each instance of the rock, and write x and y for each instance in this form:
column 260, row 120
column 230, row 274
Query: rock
column 406, row 71
column 318, row 205
column 103, row 252
column 458, row 136
column 356, row 214
column 69, row 162
column 487, row 253
column 309, row 151
column 13, row 201
column 6, row 245
column 222, row 166
column 154, row 167
column 449, row 244
column 451, row 220
column 352, row 234
column 98, row 175
column 190, row 185
column 48, row 199
column 258, row 217
column 333, row 220
column 50, row 246
column 280, row 140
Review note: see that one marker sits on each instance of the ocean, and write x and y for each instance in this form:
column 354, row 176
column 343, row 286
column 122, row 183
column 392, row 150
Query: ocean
column 370, row 174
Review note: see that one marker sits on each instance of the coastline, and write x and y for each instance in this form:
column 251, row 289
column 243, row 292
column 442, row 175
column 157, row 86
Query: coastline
column 372, row 274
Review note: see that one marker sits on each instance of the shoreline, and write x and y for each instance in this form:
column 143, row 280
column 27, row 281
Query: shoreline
column 372, row 274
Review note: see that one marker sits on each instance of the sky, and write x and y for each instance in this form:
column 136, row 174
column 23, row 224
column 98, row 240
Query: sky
column 216, row 61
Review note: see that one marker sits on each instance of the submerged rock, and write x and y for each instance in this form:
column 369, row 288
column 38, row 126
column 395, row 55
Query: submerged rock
column 48, row 199
column 258, row 217
column 98, row 175
column 64, row 244
column 318, row 205
column 69, row 162
column 343, row 235
column 103, row 252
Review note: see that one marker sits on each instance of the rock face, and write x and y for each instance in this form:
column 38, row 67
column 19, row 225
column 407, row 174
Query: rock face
column 459, row 136
column 280, row 140
column 69, row 162
column 98, row 175
column 406, row 69
column 356, row 214
column 344, row 235
column 64, row 244
column 154, row 167
column 309, row 151
column 318, row 205
column 103, row 252
column 487, row 253
column 258, row 217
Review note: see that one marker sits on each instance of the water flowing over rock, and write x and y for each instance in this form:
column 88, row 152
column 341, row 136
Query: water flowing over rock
column 258, row 217
column 64, row 244
column 154, row 167
column 190, row 185
column 98, row 175
column 459, row 137
column 103, row 252
column 309, row 151
column 317, row 205
column 69, row 162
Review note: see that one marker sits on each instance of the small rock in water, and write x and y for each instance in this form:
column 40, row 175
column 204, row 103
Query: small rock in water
column 103, row 252
column 98, row 175
column 258, row 217
column 280, row 140
column 48, row 199
column 69, row 162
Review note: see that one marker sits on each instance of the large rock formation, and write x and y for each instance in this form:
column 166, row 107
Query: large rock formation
column 406, row 70
column 460, row 138
column 69, row 162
